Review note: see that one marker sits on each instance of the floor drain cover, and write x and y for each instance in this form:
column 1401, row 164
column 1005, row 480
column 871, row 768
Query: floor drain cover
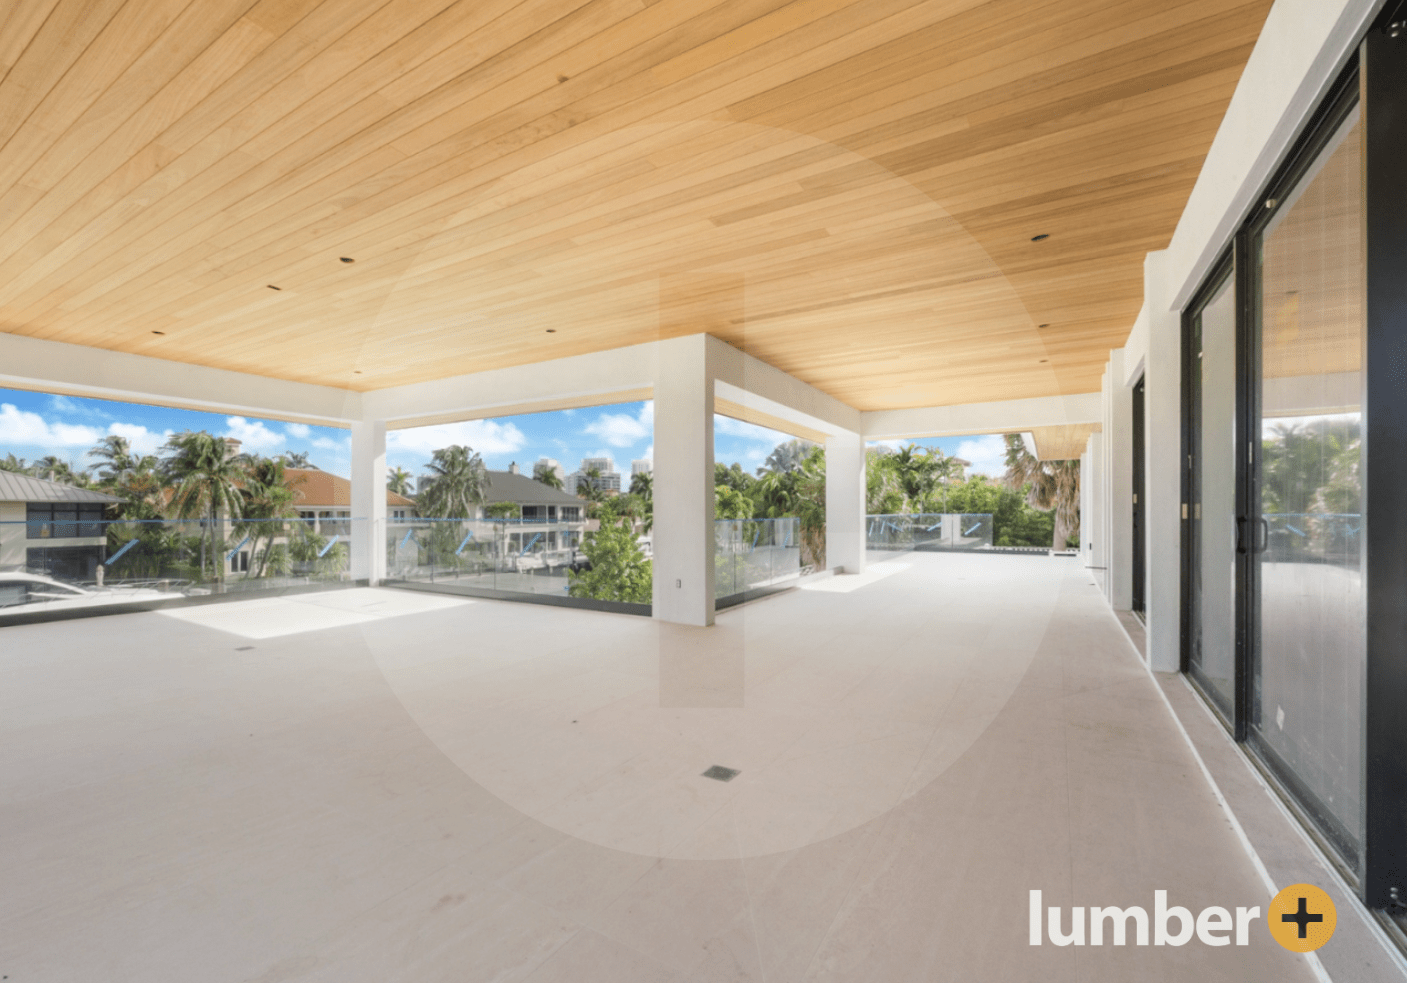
column 721, row 773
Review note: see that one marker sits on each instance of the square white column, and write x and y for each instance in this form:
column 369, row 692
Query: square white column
column 368, row 552
column 845, row 502
column 683, row 483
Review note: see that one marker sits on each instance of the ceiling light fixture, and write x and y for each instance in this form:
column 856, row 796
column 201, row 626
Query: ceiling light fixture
column 1044, row 325
column 1043, row 235
column 551, row 330
column 272, row 287
column 347, row 259
column 158, row 332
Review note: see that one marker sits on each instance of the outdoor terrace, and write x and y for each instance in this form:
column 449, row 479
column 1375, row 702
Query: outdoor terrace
column 394, row 785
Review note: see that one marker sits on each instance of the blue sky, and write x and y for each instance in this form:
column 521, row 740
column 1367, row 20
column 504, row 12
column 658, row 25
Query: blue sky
column 35, row 424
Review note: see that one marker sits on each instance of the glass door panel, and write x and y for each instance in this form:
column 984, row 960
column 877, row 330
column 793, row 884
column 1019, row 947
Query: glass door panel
column 1211, row 540
column 1307, row 535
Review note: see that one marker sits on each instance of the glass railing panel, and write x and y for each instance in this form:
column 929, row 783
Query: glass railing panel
column 755, row 553
column 62, row 566
column 928, row 532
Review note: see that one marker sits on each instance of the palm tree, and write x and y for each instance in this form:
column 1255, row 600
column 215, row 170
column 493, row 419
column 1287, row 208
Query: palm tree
column 296, row 459
column 205, row 479
column 458, row 483
column 52, row 468
column 132, row 477
column 547, row 475
column 15, row 465
column 399, row 481
column 588, row 486
column 643, row 484
column 884, row 494
column 790, row 456
column 1048, row 485
column 267, row 498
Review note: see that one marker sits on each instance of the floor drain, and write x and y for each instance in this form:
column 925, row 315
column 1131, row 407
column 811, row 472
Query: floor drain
column 721, row 773
column 245, row 648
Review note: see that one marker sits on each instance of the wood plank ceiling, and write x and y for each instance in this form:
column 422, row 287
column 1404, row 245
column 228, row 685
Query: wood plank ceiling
column 513, row 178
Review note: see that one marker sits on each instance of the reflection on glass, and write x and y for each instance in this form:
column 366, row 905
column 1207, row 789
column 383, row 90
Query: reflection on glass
column 1310, row 663
column 1213, row 505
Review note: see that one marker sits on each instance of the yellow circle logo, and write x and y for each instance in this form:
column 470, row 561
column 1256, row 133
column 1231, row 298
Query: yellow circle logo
column 1301, row 918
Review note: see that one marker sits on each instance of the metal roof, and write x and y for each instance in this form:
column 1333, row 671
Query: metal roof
column 22, row 488
column 505, row 486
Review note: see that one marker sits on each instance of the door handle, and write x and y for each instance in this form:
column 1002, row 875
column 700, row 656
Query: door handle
column 1240, row 534
column 1264, row 528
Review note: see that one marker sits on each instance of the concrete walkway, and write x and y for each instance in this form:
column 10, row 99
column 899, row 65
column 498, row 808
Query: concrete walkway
column 383, row 785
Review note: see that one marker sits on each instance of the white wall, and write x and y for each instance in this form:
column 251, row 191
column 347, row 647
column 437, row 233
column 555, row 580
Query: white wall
column 1006, row 416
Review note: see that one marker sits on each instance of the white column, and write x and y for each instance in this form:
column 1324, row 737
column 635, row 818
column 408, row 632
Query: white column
column 368, row 553
column 845, row 502
column 683, row 483
column 1163, row 448
column 1120, row 443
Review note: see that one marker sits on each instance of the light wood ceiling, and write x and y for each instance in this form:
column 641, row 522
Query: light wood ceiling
column 871, row 172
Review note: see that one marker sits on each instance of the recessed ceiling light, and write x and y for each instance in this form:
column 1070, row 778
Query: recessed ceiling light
column 1044, row 325
column 158, row 332
column 347, row 259
column 1044, row 360
column 356, row 372
column 272, row 287
column 551, row 330
column 1043, row 235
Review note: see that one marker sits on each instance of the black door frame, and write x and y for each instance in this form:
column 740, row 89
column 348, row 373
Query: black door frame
column 1379, row 870
column 1139, row 564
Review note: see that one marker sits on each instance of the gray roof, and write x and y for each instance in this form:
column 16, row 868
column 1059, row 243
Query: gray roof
column 505, row 486
column 23, row 488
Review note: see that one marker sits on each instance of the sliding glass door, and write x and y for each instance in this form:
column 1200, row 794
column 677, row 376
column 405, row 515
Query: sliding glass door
column 1210, row 528
column 1307, row 529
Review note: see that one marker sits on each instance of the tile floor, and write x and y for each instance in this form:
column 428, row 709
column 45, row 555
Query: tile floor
column 393, row 786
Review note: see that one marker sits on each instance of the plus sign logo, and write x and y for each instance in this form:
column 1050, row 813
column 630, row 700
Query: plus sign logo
column 1301, row 917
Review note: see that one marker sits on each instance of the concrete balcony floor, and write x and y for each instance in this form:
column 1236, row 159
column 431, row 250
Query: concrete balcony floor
column 384, row 785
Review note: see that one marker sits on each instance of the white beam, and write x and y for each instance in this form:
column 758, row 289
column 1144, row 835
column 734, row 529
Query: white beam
column 77, row 370
column 1008, row 416
column 554, row 384
column 753, row 383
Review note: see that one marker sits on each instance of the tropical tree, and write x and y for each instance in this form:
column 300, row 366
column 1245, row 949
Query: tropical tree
column 1047, row 485
column 790, row 456
column 729, row 503
column 399, row 481
column 205, row 480
column 546, row 474
column 52, row 468
column 267, row 499
column 619, row 570
column 588, row 486
column 134, row 478
column 458, row 483
column 884, row 491
column 296, row 459
column 16, row 465
column 504, row 510
column 643, row 484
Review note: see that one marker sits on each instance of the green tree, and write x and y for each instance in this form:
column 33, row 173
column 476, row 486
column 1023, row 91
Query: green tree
column 296, row 459
column 619, row 570
column 134, row 478
column 205, row 481
column 399, row 480
column 504, row 510
column 734, row 477
column 1047, row 485
column 643, row 485
column 52, row 468
column 729, row 503
column 457, row 486
column 588, row 486
column 546, row 474
column 15, row 465
column 267, row 500
column 789, row 456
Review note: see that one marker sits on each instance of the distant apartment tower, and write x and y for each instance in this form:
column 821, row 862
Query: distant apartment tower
column 555, row 466
column 608, row 479
column 644, row 466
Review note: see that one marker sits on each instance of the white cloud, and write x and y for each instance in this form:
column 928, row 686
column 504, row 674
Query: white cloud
column 252, row 435
column 21, row 427
column 484, row 436
column 299, row 430
column 622, row 429
column 71, row 407
column 987, row 454
column 142, row 440
column 649, row 454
